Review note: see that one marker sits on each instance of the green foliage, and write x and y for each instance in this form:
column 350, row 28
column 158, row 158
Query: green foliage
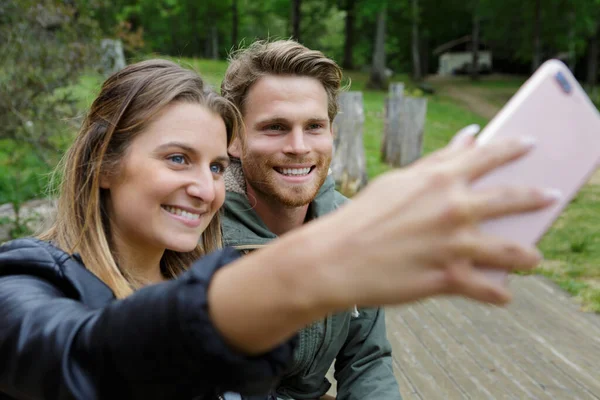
column 44, row 45
column 22, row 173
column 189, row 28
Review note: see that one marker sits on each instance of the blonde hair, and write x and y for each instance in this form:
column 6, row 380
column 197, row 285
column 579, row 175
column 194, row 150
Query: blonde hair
column 282, row 57
column 126, row 104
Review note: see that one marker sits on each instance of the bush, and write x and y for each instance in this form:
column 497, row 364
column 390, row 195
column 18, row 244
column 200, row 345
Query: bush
column 45, row 46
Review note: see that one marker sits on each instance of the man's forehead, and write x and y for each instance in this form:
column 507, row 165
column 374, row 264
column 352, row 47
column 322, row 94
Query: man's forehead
column 276, row 96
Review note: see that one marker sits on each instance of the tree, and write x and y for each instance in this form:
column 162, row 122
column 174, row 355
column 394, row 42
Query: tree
column 416, row 54
column 592, row 68
column 45, row 45
column 234, row 23
column 475, row 43
column 378, row 79
column 537, row 40
column 350, row 8
column 296, row 15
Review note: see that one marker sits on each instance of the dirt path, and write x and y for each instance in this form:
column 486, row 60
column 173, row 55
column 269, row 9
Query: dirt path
column 473, row 99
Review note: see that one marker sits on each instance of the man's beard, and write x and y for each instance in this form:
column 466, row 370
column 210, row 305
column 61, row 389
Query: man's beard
column 262, row 177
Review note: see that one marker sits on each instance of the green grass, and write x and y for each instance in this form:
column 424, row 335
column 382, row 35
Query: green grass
column 572, row 248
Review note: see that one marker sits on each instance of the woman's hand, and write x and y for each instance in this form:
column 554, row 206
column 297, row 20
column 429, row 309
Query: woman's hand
column 411, row 234
column 414, row 232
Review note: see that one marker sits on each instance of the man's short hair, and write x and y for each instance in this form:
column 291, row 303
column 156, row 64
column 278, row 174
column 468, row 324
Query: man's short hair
column 282, row 57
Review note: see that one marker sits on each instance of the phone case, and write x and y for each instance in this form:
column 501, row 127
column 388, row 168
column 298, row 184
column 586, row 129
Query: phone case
column 553, row 108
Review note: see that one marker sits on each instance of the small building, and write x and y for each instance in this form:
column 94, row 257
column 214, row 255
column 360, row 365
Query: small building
column 456, row 57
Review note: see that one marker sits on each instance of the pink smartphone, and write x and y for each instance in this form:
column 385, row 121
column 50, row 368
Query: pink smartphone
column 553, row 108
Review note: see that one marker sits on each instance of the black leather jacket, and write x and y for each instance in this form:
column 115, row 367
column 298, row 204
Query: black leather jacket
column 64, row 336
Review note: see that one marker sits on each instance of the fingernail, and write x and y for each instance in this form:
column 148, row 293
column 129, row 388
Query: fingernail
column 552, row 194
column 470, row 130
column 464, row 136
column 528, row 142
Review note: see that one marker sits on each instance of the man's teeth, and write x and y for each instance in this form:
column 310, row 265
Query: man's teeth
column 180, row 212
column 294, row 171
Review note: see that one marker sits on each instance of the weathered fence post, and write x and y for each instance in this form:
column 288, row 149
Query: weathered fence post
column 391, row 121
column 412, row 117
column 349, row 166
column 403, row 131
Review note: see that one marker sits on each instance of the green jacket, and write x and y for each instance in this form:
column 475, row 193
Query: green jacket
column 356, row 341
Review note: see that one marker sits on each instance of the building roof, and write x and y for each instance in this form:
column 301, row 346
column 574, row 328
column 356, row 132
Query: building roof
column 453, row 43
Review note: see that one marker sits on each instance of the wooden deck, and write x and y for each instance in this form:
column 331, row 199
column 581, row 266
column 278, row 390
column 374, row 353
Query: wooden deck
column 539, row 347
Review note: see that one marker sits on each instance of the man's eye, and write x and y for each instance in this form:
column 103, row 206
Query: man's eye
column 275, row 127
column 177, row 159
column 313, row 127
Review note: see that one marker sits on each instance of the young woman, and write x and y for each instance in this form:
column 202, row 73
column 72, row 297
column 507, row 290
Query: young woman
column 118, row 299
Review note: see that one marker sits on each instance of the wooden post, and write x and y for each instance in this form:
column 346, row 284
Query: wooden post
column 404, row 126
column 349, row 166
column 412, row 116
column 396, row 91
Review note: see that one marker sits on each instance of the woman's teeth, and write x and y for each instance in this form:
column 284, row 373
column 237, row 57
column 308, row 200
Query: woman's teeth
column 294, row 171
column 182, row 213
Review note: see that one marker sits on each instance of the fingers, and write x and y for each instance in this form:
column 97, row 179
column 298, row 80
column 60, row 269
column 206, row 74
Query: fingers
column 502, row 201
column 480, row 160
column 495, row 252
column 474, row 284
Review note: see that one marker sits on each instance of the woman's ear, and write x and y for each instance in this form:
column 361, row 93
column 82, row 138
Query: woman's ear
column 235, row 148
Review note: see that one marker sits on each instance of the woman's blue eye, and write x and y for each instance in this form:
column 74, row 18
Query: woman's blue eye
column 177, row 159
column 217, row 168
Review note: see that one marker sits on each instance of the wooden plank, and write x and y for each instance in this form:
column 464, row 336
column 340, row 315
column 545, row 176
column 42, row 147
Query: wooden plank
column 487, row 355
column 526, row 352
column 540, row 347
column 428, row 378
column 458, row 364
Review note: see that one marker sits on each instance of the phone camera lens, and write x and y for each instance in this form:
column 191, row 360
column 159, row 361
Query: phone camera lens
column 562, row 81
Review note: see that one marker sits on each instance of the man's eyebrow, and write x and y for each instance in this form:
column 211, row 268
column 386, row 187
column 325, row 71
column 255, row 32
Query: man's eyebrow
column 319, row 119
column 271, row 120
column 282, row 120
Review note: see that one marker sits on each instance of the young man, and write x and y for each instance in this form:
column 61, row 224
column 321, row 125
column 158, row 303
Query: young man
column 288, row 97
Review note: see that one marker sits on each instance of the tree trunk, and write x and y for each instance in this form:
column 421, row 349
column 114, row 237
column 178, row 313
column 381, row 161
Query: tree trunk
column 215, row 43
column 572, row 55
column 378, row 79
column 537, row 40
column 234, row 23
column 416, row 57
column 296, row 19
column 475, row 44
column 348, row 62
column 425, row 55
column 592, row 64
